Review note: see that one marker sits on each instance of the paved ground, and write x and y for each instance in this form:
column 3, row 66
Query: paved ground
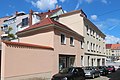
column 111, row 76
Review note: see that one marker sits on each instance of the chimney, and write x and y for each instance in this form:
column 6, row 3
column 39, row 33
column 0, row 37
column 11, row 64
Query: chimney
column 57, row 6
column 16, row 13
column 30, row 17
column 49, row 10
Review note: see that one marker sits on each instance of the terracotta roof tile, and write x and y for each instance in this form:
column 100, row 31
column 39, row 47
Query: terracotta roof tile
column 112, row 46
column 115, row 46
column 108, row 46
column 43, row 22
column 28, row 45
column 49, row 13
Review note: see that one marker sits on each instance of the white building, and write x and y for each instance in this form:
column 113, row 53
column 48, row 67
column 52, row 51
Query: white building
column 94, row 45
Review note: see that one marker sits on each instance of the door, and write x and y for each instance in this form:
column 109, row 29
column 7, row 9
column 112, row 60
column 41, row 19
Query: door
column 66, row 61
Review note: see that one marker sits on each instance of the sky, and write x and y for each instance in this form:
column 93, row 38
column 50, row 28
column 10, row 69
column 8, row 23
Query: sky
column 105, row 14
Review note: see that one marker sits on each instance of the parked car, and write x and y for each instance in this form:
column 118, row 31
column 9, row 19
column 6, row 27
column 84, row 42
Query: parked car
column 111, row 69
column 103, row 70
column 72, row 73
column 91, row 72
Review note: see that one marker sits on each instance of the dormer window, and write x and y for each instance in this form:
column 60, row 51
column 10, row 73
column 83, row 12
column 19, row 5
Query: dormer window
column 25, row 22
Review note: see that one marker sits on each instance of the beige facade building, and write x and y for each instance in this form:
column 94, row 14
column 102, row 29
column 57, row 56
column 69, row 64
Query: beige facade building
column 94, row 45
column 61, row 47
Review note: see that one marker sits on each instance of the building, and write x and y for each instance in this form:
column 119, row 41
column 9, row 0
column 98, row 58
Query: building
column 94, row 44
column 113, row 51
column 108, row 53
column 61, row 47
column 56, row 41
column 1, row 24
column 20, row 20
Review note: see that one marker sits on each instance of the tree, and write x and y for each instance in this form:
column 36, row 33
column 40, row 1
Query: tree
column 10, row 35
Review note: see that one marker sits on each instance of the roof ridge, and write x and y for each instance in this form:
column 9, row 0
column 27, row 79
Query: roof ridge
column 50, row 20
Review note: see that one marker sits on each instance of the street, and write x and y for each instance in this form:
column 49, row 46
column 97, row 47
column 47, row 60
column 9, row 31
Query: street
column 111, row 76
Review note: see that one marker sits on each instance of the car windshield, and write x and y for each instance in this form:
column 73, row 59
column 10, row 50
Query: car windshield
column 110, row 66
column 100, row 67
column 87, row 68
column 66, row 70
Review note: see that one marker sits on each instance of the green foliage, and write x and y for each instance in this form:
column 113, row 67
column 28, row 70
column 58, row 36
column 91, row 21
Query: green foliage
column 10, row 35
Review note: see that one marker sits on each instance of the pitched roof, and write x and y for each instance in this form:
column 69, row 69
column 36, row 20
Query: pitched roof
column 108, row 46
column 113, row 46
column 44, row 22
column 49, row 13
column 27, row 45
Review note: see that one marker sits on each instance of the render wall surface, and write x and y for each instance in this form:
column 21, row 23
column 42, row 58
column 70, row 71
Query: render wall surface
column 67, row 49
column 74, row 22
column 25, row 62
column 40, row 37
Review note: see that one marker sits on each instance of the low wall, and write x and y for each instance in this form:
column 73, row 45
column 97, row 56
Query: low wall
column 36, row 76
column 23, row 62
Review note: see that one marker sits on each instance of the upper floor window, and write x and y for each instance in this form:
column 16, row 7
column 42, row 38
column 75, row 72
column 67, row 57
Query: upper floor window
column 82, row 44
column 88, row 45
column 71, row 41
column 87, row 29
column 5, row 28
column 93, row 33
column 24, row 22
column 63, row 40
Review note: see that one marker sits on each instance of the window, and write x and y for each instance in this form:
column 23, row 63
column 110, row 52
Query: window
column 99, row 49
column 91, row 47
column 81, row 60
column 24, row 22
column 81, row 44
column 94, row 47
column 88, row 45
column 71, row 41
column 91, row 32
column 87, row 29
column 5, row 29
column 63, row 41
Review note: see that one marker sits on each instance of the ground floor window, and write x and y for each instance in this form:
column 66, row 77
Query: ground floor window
column 66, row 61
column 81, row 60
column 88, row 60
column 103, row 62
column 98, row 62
column 92, row 62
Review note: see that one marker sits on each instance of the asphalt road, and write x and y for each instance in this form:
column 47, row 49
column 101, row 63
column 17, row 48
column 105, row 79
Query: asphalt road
column 111, row 76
